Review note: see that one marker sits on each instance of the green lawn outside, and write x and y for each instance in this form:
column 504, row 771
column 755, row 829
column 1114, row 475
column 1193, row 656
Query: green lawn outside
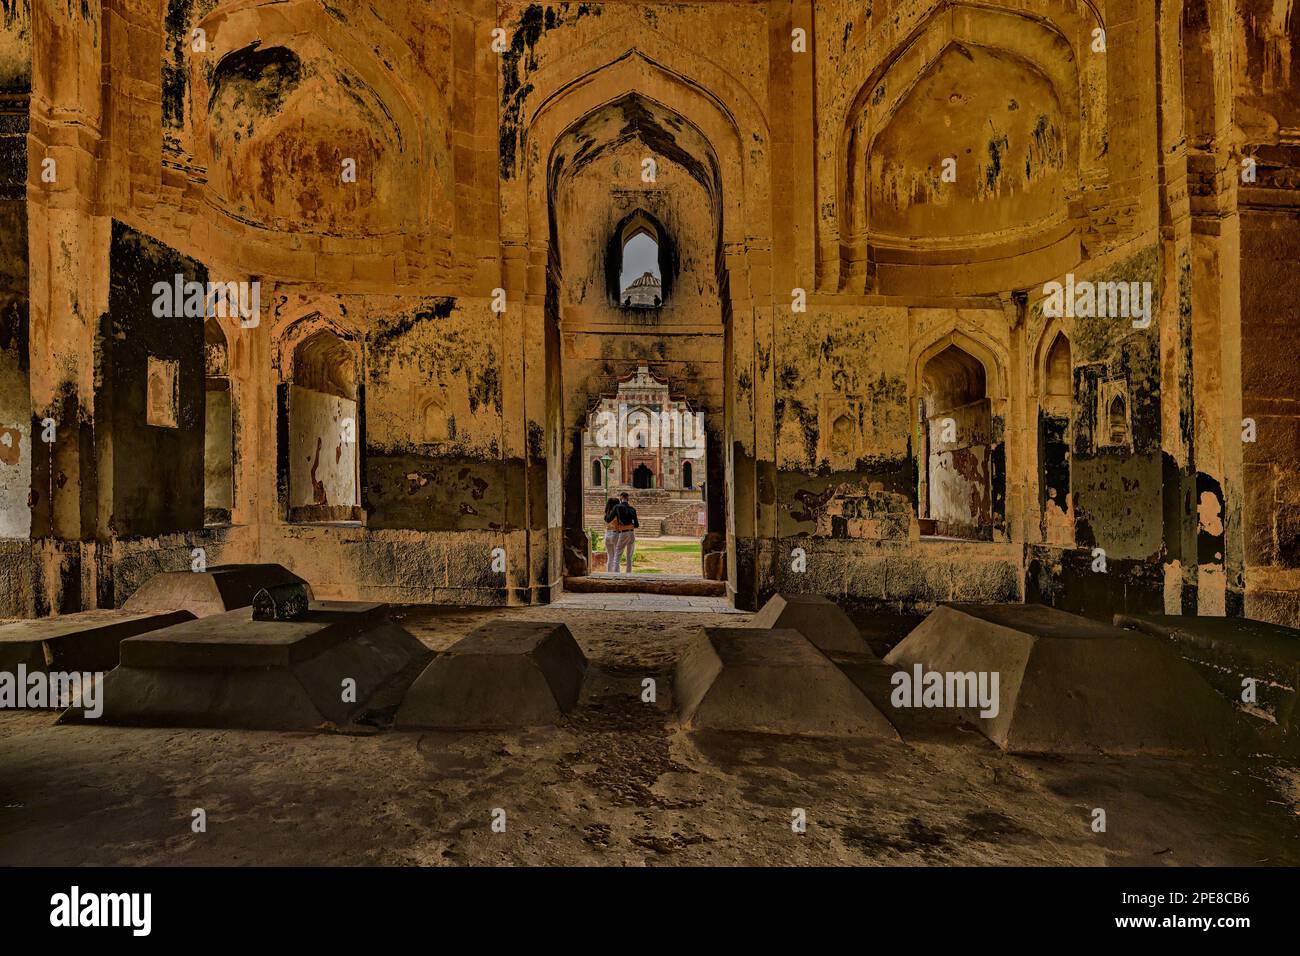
column 654, row 556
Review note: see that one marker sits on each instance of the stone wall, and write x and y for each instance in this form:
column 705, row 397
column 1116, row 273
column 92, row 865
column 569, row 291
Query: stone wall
column 684, row 522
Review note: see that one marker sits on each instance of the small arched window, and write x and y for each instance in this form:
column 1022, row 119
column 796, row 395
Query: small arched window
column 640, row 276
column 638, row 428
column 688, row 476
column 1118, row 421
column 218, row 427
column 597, row 474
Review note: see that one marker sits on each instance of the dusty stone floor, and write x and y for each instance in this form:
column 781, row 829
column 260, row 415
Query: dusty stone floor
column 615, row 785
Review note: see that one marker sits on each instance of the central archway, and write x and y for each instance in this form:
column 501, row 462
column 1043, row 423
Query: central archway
column 633, row 167
column 693, row 111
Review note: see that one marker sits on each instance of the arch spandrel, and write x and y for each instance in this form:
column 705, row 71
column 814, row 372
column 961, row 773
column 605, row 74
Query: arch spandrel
column 565, row 93
column 989, row 354
column 730, row 98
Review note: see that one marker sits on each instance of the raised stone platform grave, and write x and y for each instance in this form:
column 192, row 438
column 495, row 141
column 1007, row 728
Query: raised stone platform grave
column 1066, row 684
column 770, row 681
column 221, row 588
column 503, row 674
column 1227, row 651
column 85, row 642
column 817, row 618
column 231, row 671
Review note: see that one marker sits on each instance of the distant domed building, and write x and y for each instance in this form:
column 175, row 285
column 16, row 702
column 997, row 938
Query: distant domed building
column 643, row 293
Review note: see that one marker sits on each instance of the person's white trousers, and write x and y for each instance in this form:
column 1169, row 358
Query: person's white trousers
column 611, row 550
column 626, row 542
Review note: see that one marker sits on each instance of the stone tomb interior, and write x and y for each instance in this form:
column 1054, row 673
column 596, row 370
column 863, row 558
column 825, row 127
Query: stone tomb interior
column 897, row 309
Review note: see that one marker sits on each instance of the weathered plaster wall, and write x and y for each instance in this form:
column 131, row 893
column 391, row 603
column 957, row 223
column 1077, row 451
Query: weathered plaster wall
column 434, row 417
column 961, row 470
column 218, row 452
column 1119, row 524
column 150, row 476
column 841, row 365
column 438, row 491
column 847, row 385
column 15, row 394
column 464, row 257
column 1007, row 161
column 322, row 450
column 15, row 432
column 16, row 594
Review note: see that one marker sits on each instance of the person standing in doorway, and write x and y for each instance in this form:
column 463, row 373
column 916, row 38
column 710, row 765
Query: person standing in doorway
column 626, row 522
column 611, row 536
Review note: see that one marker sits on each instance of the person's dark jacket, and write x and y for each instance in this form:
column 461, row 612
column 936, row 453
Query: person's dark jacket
column 624, row 513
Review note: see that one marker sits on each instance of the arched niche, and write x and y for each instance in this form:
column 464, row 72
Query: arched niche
column 955, row 480
column 633, row 167
column 1056, row 370
column 959, row 161
column 218, row 427
column 323, row 417
column 1117, row 422
column 326, row 363
column 700, row 93
column 432, row 421
column 1056, row 437
column 988, row 353
column 1054, row 374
